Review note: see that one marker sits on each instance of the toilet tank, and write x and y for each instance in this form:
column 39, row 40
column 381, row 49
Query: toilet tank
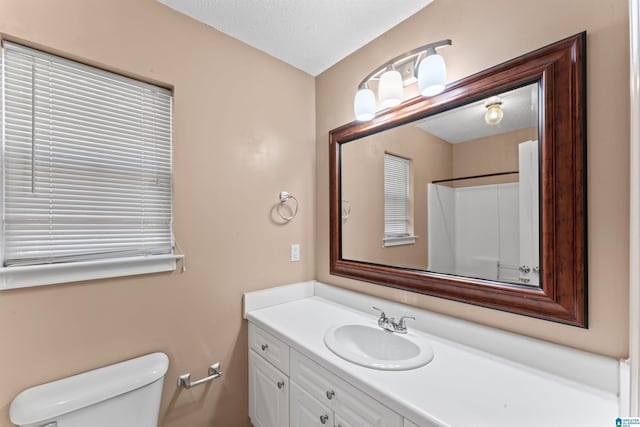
column 126, row 394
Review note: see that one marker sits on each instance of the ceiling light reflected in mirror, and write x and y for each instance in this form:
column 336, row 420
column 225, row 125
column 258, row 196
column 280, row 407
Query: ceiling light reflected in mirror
column 494, row 113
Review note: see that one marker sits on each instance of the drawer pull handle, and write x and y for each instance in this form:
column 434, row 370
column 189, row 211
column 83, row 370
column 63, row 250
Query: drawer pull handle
column 280, row 384
column 264, row 347
column 324, row 418
column 330, row 394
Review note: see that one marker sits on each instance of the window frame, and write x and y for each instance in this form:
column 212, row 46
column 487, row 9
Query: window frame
column 20, row 276
column 406, row 238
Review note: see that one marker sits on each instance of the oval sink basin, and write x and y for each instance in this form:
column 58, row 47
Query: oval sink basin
column 376, row 348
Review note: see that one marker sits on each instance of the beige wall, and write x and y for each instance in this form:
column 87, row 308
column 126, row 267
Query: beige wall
column 491, row 154
column 236, row 148
column 363, row 186
column 244, row 130
column 516, row 27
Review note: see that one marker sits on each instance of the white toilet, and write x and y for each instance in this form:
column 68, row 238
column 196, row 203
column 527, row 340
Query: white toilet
column 126, row 394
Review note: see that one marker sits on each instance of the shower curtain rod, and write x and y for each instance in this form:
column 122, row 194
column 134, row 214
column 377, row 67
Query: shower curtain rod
column 473, row 177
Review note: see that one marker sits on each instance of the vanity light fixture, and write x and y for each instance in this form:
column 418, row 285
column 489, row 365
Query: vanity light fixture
column 390, row 88
column 494, row 113
column 422, row 65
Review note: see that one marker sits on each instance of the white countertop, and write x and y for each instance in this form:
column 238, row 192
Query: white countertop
column 462, row 386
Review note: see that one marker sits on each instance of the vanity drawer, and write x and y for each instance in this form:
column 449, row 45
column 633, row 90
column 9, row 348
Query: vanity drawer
column 350, row 404
column 269, row 347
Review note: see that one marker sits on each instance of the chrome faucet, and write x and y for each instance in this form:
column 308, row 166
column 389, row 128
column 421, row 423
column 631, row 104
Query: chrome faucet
column 389, row 323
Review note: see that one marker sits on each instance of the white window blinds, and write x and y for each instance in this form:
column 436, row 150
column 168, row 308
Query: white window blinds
column 86, row 162
column 396, row 195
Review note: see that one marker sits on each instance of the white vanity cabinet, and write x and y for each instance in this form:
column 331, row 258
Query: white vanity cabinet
column 305, row 411
column 350, row 405
column 268, row 379
column 271, row 348
column 291, row 322
column 287, row 389
column 268, row 394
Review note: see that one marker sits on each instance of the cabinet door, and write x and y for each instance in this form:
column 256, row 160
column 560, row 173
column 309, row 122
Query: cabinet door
column 268, row 394
column 307, row 411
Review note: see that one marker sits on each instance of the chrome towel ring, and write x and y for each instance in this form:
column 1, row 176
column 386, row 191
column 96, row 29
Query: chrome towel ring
column 284, row 197
column 346, row 209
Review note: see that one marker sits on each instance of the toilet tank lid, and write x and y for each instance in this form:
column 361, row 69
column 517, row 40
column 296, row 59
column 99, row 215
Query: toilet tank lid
column 72, row 393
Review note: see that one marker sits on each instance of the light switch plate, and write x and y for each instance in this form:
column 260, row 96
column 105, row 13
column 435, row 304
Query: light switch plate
column 295, row 252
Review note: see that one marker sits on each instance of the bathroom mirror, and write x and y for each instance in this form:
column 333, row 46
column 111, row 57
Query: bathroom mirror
column 476, row 194
column 453, row 193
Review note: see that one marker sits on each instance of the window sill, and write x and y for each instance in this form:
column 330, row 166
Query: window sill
column 49, row 274
column 399, row 241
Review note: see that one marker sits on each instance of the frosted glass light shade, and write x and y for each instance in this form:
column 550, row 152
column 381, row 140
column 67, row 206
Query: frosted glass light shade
column 432, row 75
column 364, row 105
column 390, row 89
column 494, row 114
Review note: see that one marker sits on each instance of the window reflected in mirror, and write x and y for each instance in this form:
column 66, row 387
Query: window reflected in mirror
column 453, row 193
column 398, row 223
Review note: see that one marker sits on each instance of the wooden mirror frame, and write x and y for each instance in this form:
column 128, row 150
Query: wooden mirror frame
column 560, row 70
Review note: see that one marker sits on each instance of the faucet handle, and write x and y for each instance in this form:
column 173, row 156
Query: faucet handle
column 382, row 314
column 385, row 322
column 402, row 326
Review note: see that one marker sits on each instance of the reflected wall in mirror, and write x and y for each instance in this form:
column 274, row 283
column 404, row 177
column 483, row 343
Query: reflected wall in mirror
column 476, row 194
column 454, row 193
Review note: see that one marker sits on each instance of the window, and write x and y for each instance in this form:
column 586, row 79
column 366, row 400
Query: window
column 396, row 201
column 86, row 163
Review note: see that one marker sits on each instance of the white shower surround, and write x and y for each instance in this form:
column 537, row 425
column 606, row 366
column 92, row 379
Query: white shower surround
column 473, row 231
column 487, row 231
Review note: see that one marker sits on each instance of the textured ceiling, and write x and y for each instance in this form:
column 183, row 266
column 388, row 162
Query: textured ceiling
column 311, row 35
column 464, row 123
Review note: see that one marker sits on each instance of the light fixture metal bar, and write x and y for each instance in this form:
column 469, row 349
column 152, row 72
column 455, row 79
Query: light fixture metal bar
column 408, row 54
